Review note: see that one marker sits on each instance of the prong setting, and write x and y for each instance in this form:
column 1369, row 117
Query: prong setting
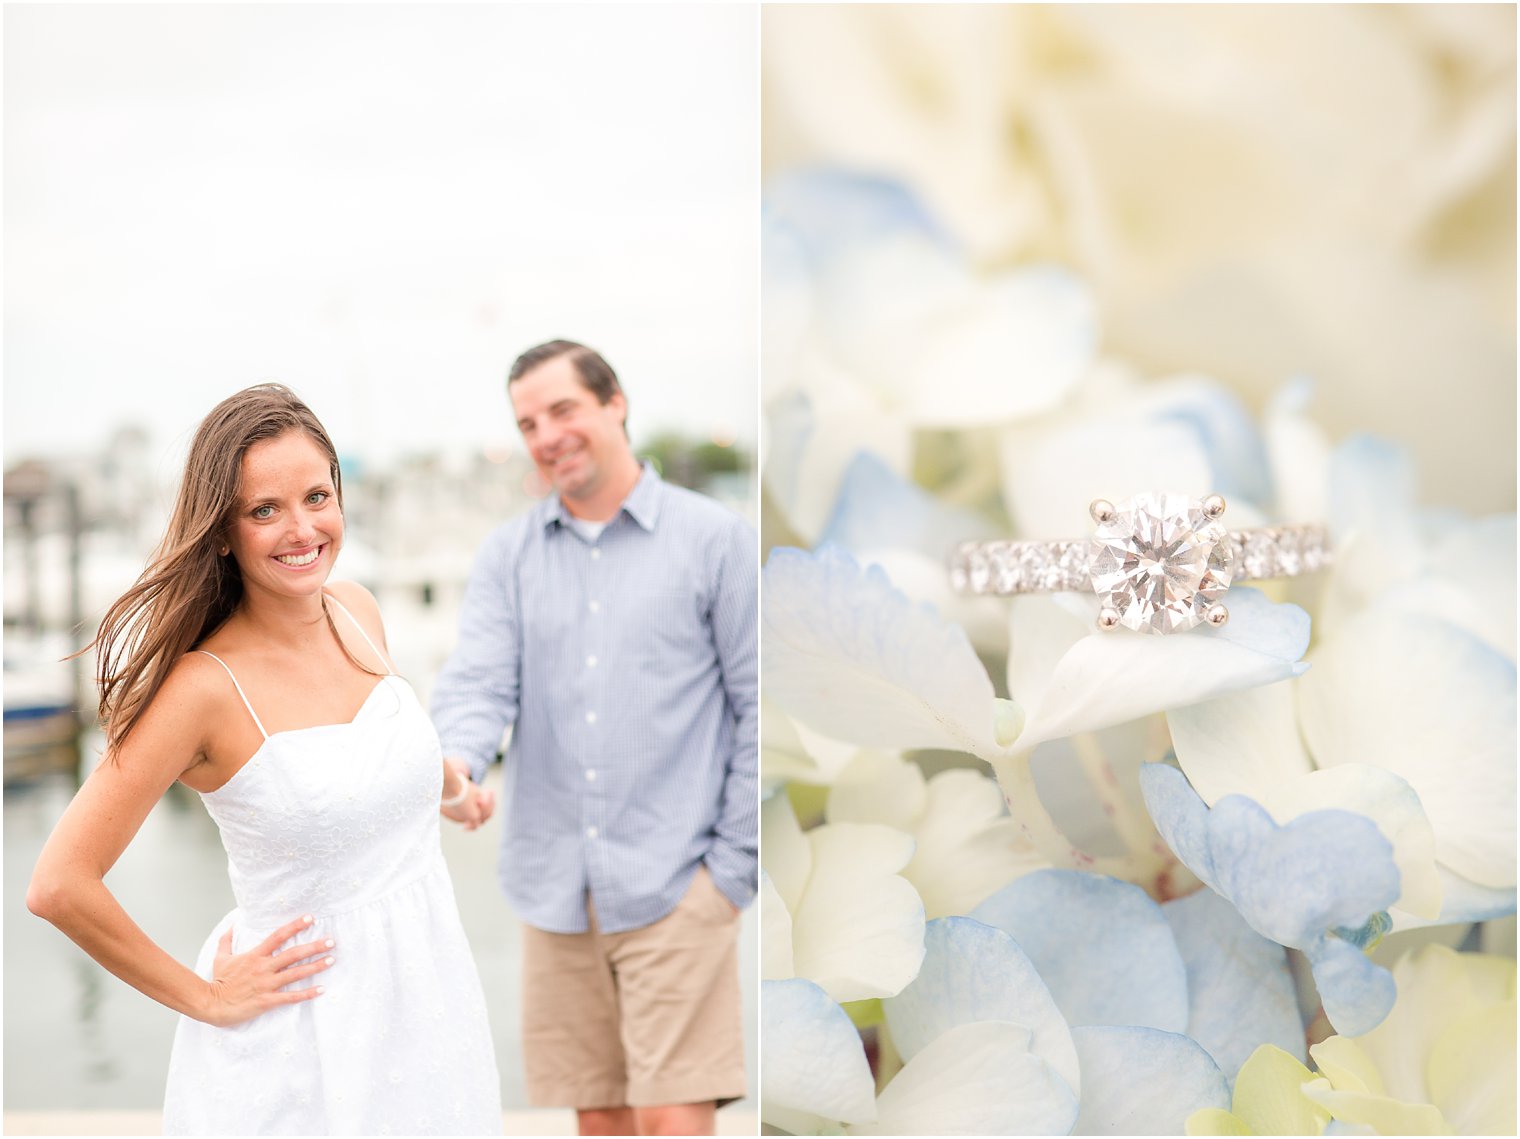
column 1216, row 615
column 1213, row 505
column 1108, row 619
column 1102, row 511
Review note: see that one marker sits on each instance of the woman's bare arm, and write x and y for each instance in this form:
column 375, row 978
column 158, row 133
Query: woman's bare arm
column 68, row 887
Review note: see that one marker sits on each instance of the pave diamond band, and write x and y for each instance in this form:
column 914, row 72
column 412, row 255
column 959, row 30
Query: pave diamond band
column 1159, row 562
column 1004, row 568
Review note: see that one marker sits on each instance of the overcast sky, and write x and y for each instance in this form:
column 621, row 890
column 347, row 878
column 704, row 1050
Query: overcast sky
column 379, row 206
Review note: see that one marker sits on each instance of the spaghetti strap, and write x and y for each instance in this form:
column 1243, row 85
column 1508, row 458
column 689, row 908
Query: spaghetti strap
column 240, row 692
column 385, row 660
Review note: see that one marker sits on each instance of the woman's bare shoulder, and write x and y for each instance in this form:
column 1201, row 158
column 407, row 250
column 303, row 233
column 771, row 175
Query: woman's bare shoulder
column 361, row 603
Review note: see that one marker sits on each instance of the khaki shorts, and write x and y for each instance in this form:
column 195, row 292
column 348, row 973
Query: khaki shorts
column 643, row 1018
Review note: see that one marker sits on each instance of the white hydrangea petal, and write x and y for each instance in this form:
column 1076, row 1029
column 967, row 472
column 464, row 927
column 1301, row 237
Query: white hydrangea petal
column 1461, row 901
column 1436, row 706
column 1108, row 678
column 1141, row 1081
column 1298, row 450
column 1051, row 474
column 975, row 1079
column 878, row 787
column 968, row 846
column 1013, row 346
column 811, row 1057
column 1245, row 743
column 786, row 855
column 925, row 580
column 775, row 934
column 783, row 756
column 1389, row 802
column 1240, row 991
column 973, row 972
column 859, row 929
column 1103, row 948
column 849, row 655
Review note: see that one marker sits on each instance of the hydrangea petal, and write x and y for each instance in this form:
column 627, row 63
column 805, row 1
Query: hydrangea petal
column 1452, row 737
column 811, row 1058
column 1108, row 678
column 1269, row 1095
column 1472, row 1072
column 968, row 847
column 1103, row 948
column 1276, row 876
column 786, row 856
column 775, row 934
column 1236, row 450
column 849, row 655
column 1388, row 801
column 1291, row 883
column 1243, row 743
column 973, row 972
column 878, row 787
column 859, row 928
column 975, row 1079
column 1139, row 1081
column 1299, row 451
column 826, row 210
column 1033, row 329
column 1357, row 994
column 878, row 508
column 1050, row 475
column 1380, row 1115
column 1240, row 991
column 812, row 433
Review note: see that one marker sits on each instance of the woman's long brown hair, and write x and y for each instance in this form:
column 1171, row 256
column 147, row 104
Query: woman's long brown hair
column 188, row 590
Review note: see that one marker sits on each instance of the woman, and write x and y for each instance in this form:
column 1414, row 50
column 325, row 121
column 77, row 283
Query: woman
column 340, row 997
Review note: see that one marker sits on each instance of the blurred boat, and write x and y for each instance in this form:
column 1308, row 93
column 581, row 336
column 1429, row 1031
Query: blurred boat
column 42, row 726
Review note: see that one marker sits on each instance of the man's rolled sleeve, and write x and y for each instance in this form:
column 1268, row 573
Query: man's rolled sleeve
column 475, row 696
column 733, row 859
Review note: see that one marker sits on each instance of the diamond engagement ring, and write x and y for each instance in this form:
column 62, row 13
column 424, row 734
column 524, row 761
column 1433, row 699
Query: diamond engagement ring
column 1159, row 562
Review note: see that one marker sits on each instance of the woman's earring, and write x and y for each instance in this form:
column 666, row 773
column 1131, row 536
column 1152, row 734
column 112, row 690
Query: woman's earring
column 225, row 551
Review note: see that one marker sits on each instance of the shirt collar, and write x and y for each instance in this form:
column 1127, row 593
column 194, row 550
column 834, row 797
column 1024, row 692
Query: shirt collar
column 642, row 503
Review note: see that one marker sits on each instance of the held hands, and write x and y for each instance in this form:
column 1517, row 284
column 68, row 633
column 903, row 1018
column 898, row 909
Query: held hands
column 476, row 806
column 243, row 985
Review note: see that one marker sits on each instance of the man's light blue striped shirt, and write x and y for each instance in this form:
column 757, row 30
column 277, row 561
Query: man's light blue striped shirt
column 627, row 667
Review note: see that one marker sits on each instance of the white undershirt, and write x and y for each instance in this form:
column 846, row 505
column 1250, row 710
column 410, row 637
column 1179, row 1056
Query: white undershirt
column 590, row 531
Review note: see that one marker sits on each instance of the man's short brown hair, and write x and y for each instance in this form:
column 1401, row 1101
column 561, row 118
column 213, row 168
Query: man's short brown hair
column 597, row 376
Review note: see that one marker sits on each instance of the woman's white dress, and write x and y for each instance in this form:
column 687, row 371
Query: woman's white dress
column 341, row 822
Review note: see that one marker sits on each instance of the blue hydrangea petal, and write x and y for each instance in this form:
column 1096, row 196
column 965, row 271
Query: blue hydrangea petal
column 1139, row 1081
column 1103, row 948
column 1356, row 993
column 1240, row 990
column 811, row 1057
column 827, row 211
column 974, row 972
column 878, row 509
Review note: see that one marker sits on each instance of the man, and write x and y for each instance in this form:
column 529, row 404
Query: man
column 613, row 626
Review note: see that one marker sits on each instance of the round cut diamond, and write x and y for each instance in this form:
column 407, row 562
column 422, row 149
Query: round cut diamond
column 1160, row 562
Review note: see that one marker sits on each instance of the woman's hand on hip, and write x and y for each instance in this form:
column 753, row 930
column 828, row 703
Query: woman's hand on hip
column 243, row 985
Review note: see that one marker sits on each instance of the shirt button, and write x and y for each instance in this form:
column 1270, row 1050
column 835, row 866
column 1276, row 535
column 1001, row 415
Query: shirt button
column 590, row 832
column 590, row 717
column 590, row 775
column 591, row 662
column 595, row 553
column 595, row 607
